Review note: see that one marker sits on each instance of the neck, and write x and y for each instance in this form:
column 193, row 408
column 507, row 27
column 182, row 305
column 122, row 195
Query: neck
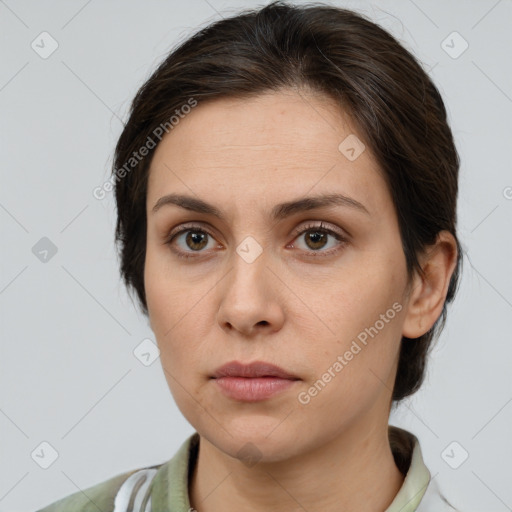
column 355, row 471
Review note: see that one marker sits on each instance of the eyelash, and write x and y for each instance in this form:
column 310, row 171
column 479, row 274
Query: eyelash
column 321, row 228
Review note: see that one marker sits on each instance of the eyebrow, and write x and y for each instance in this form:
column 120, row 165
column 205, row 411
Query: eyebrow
column 279, row 211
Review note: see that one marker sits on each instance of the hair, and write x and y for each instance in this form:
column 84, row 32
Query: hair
column 397, row 109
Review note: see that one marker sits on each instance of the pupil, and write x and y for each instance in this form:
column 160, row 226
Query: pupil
column 317, row 237
column 196, row 238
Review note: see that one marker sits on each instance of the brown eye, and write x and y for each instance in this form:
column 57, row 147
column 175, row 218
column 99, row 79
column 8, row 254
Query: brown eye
column 189, row 240
column 317, row 237
column 196, row 240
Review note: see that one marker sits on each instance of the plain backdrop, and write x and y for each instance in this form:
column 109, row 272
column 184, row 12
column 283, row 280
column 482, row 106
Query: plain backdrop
column 69, row 377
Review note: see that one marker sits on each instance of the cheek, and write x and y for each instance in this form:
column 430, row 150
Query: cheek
column 365, row 315
column 357, row 297
column 362, row 363
column 169, row 294
column 174, row 305
column 159, row 293
column 167, row 303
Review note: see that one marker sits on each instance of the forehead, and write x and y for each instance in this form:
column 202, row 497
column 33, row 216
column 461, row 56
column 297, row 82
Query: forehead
column 272, row 146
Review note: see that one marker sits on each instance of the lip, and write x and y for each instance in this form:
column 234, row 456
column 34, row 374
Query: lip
column 252, row 382
column 252, row 370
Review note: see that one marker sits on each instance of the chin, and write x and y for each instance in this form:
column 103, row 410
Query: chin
column 255, row 442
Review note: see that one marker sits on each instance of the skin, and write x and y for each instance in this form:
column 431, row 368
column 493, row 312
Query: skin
column 288, row 307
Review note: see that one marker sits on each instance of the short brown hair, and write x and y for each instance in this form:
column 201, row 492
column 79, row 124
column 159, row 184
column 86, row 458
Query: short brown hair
column 395, row 105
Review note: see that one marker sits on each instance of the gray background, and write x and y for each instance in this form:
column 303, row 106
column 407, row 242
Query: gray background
column 68, row 373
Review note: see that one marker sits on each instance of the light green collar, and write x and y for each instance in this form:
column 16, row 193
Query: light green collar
column 417, row 477
column 170, row 485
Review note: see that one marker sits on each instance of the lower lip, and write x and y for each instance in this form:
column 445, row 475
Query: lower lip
column 252, row 389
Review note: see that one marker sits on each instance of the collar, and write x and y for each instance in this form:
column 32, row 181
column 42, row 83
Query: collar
column 170, row 484
column 409, row 459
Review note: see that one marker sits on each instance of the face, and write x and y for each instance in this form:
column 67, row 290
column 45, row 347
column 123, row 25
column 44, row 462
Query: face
column 319, row 292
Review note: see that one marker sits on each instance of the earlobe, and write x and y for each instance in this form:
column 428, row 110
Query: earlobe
column 429, row 291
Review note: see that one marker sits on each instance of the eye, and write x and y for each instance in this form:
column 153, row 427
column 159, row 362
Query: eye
column 192, row 239
column 316, row 238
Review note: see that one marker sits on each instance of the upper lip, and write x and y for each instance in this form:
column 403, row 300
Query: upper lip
column 254, row 369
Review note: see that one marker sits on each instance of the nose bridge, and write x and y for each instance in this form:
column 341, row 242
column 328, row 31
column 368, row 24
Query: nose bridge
column 246, row 297
column 249, row 267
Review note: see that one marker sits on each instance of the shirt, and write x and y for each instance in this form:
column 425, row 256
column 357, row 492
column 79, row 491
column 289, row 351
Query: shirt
column 164, row 487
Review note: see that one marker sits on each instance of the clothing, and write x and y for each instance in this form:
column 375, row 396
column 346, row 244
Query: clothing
column 164, row 487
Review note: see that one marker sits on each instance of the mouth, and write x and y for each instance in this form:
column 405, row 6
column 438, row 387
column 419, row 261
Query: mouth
column 257, row 369
column 253, row 389
column 252, row 382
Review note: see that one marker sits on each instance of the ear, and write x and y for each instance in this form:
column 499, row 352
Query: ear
column 428, row 293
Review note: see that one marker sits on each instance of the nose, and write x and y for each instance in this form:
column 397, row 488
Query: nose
column 250, row 302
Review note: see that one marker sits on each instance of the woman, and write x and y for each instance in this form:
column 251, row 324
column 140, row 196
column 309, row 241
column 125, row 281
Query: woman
column 286, row 187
